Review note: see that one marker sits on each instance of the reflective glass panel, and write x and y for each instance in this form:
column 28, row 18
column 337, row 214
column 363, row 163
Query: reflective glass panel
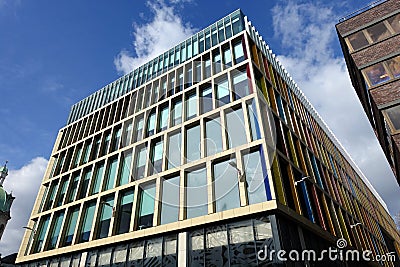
column 146, row 208
column 378, row 32
column 213, row 136
column 376, row 74
column 236, row 128
column 124, row 212
column 170, row 200
column 191, row 106
column 125, row 168
column 193, row 143
column 358, row 40
column 97, row 178
column 394, row 116
column 106, row 212
column 174, row 150
column 225, row 186
column 140, row 163
column 70, row 226
column 196, row 193
column 87, row 217
column 255, row 177
column 394, row 66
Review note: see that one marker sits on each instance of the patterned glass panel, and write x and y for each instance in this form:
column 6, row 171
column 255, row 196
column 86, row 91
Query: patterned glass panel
column 169, row 253
column 217, row 252
column 104, row 257
column 119, row 256
column 242, row 250
column 91, row 259
column 264, row 239
column 153, row 252
column 196, row 248
column 136, row 254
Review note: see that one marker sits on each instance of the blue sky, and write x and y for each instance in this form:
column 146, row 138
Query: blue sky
column 54, row 53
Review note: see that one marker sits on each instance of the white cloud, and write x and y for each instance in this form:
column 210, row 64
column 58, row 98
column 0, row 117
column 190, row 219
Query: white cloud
column 165, row 30
column 24, row 185
column 307, row 34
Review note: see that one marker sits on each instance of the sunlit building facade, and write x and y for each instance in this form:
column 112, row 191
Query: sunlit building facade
column 370, row 40
column 205, row 156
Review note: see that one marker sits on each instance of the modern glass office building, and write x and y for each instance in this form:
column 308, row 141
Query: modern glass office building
column 208, row 155
column 370, row 40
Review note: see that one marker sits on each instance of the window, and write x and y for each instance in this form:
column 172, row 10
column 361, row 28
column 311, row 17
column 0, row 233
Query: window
column 151, row 123
column 225, row 186
column 87, row 221
column 358, row 40
column 240, row 85
column 96, row 148
column 179, row 87
column 73, row 187
column 196, row 193
column 394, row 66
column 191, row 106
column 40, row 234
column 255, row 128
column 395, row 23
column 86, row 153
column 110, row 174
column 146, row 206
column 394, row 116
column 236, row 128
column 222, row 86
column 376, row 74
column 106, row 143
column 106, row 212
column 77, row 156
column 197, row 66
column 52, row 194
column 139, row 129
column 213, row 136
column 170, row 200
column 85, row 183
column 188, row 78
column 55, row 230
column 206, row 99
column 140, row 162
column 193, row 143
column 70, row 226
column 125, row 168
column 378, row 32
column 163, row 119
column 124, row 212
column 238, row 52
column 256, row 177
column 177, row 113
column 227, row 56
column 98, row 174
column 174, row 150
column 116, row 139
column 217, row 61
column 207, row 68
column 156, row 157
column 61, row 193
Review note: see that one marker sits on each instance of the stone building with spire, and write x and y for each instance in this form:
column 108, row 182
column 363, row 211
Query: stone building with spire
column 6, row 200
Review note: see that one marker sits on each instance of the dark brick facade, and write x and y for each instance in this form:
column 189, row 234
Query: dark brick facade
column 376, row 13
column 387, row 93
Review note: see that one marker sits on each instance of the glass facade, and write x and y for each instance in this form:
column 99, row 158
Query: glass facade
column 189, row 147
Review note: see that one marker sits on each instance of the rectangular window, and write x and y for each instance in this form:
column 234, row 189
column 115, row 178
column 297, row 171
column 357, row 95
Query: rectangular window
column 207, row 68
column 127, row 137
column 77, row 157
column 125, row 168
column 87, row 222
column 73, row 187
column 146, row 206
column 170, row 200
column 197, row 68
column 141, row 155
column 151, row 124
column 52, row 194
column 376, row 74
column 378, row 32
column 40, row 234
column 191, row 106
column 85, row 183
column 240, row 85
column 222, row 87
column 394, row 116
column 139, row 128
column 227, row 56
column 177, row 113
column 124, row 212
column 236, row 128
column 86, row 153
column 174, row 150
column 255, row 128
column 196, row 193
column 62, row 190
column 256, row 177
column 110, row 174
column 163, row 119
column 106, row 212
column 213, row 136
column 238, row 52
column 225, row 186
column 156, row 157
column 206, row 99
column 116, row 139
column 55, row 230
column 395, row 23
column 106, row 144
column 98, row 175
column 70, row 226
column 217, row 62
column 188, row 78
column 357, row 40
column 96, row 148
column 394, row 66
column 193, row 143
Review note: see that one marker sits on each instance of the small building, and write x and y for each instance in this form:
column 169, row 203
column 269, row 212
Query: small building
column 6, row 200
